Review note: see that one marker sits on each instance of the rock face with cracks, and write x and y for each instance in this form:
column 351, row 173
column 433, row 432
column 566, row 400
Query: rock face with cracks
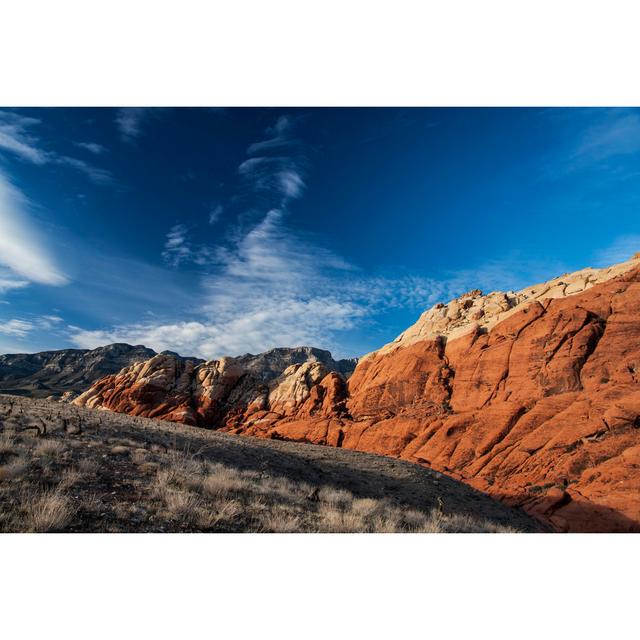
column 277, row 383
column 531, row 396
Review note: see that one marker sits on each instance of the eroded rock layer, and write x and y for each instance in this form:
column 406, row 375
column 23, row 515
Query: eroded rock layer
column 533, row 397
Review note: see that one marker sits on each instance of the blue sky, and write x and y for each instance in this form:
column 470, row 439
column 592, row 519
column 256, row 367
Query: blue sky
column 223, row 231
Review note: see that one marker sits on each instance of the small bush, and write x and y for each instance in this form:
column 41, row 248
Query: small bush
column 50, row 511
column 49, row 449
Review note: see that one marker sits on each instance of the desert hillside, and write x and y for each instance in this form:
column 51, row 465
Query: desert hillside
column 63, row 468
column 64, row 372
column 530, row 396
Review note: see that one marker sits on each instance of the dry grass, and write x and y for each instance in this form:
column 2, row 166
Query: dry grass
column 49, row 449
column 220, row 481
column 210, row 494
column 7, row 444
column 49, row 511
column 93, row 479
column 69, row 478
column 181, row 504
column 87, row 466
column 280, row 522
column 14, row 469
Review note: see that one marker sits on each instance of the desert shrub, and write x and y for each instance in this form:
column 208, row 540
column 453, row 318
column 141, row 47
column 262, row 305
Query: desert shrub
column 221, row 511
column 48, row 511
column 221, row 480
column 69, row 478
column 49, row 449
column 274, row 521
column 335, row 496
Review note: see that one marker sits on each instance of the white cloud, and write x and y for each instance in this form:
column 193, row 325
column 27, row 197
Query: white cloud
column 93, row 147
column 178, row 249
column 617, row 134
column 9, row 280
column 21, row 329
column 95, row 174
column 275, row 287
column 129, row 121
column 17, row 328
column 16, row 137
column 272, row 288
column 281, row 132
column 22, row 248
column 281, row 174
column 48, row 322
column 215, row 213
column 291, row 182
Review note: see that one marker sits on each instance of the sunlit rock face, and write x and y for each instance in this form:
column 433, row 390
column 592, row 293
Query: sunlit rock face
column 222, row 393
column 532, row 396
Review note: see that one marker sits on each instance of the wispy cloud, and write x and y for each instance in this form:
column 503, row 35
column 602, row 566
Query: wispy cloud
column 262, row 297
column 277, row 288
column 273, row 286
column 622, row 249
column 49, row 322
column 16, row 328
column 10, row 280
column 215, row 214
column 96, row 175
column 21, row 328
column 280, row 174
column 178, row 249
column 23, row 251
column 129, row 121
column 282, row 137
column 93, row 147
column 17, row 138
column 269, row 287
column 615, row 133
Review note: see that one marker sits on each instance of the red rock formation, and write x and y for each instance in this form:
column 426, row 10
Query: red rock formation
column 533, row 397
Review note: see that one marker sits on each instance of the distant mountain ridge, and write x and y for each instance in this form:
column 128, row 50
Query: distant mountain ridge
column 52, row 373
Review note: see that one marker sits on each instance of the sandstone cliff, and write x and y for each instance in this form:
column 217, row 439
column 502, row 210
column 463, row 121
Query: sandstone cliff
column 531, row 396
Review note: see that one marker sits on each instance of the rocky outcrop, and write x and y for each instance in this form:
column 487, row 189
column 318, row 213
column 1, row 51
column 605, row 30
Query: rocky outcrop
column 230, row 392
column 531, row 396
